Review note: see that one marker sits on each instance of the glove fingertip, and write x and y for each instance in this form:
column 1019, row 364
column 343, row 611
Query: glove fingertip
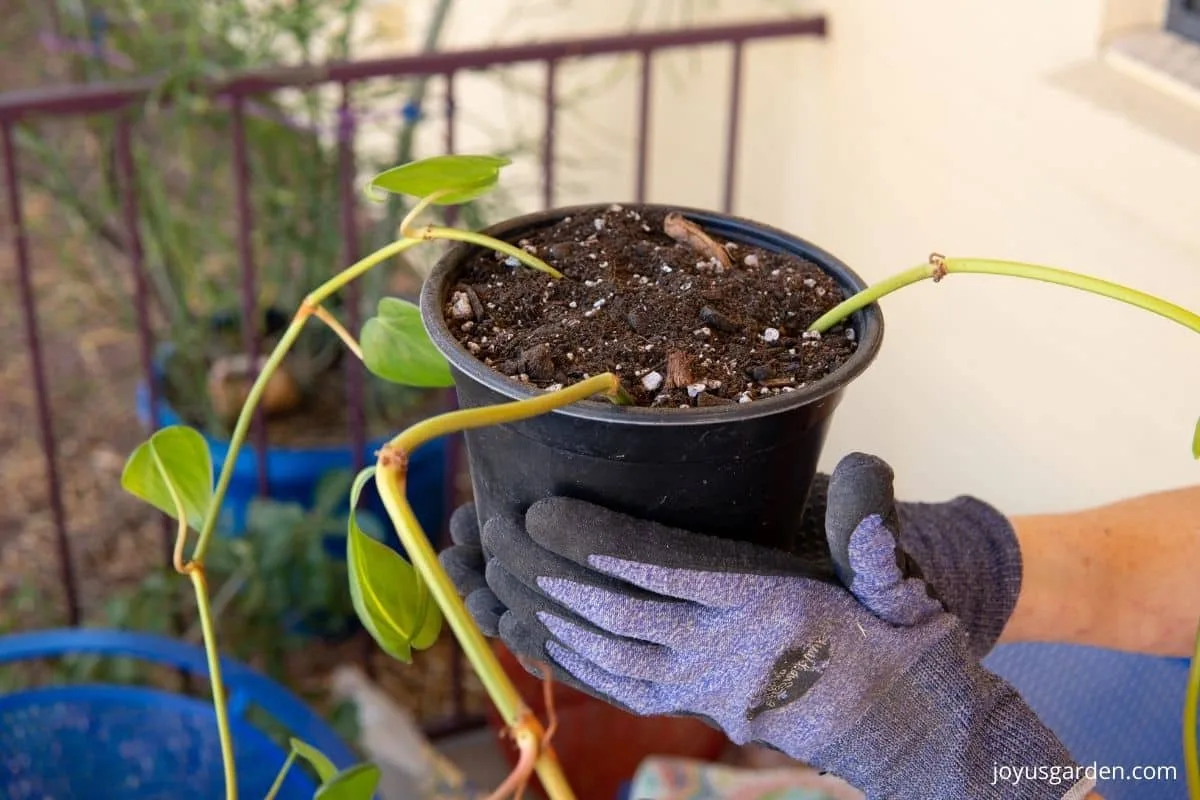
column 546, row 516
column 487, row 610
column 525, row 641
column 498, row 530
column 464, row 525
column 861, row 486
column 464, row 565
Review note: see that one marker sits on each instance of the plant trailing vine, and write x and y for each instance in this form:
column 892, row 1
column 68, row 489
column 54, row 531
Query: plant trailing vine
column 403, row 605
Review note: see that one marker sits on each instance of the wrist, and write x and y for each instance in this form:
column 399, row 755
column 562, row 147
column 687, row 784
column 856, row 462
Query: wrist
column 948, row 729
column 970, row 554
column 1064, row 570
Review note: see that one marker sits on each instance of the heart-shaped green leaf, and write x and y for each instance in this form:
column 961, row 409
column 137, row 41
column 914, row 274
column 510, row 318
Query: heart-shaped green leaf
column 391, row 600
column 456, row 178
column 1196, row 441
column 170, row 470
column 324, row 767
column 397, row 348
column 353, row 783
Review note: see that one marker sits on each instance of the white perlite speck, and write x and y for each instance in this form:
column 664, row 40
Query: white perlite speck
column 744, row 397
column 652, row 380
column 599, row 223
column 666, row 268
column 770, row 335
column 809, row 282
column 695, row 389
column 512, row 261
column 460, row 306
column 814, row 335
column 750, row 260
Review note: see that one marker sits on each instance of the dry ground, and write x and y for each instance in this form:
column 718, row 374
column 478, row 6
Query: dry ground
column 92, row 367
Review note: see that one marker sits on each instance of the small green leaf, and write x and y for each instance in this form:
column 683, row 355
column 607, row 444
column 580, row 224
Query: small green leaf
column 397, row 348
column 353, row 783
column 174, row 461
column 324, row 767
column 390, row 598
column 1196, row 441
column 460, row 177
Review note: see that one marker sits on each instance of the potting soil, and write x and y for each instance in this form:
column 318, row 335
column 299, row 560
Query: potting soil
column 681, row 325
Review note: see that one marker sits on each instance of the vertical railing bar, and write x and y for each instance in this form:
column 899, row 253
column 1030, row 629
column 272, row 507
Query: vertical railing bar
column 356, row 417
column 731, row 145
column 37, row 367
column 450, row 134
column 643, row 125
column 551, row 101
column 141, row 291
column 250, row 317
column 453, row 442
column 141, row 300
column 355, row 394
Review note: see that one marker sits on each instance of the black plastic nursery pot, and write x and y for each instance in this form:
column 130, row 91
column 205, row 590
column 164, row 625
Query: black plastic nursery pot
column 741, row 471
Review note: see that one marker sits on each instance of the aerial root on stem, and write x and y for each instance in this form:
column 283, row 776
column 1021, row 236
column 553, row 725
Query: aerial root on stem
column 530, row 739
column 310, row 309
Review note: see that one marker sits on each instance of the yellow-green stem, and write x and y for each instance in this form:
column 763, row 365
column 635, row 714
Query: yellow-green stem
column 285, row 343
column 1015, row 269
column 422, row 204
column 283, row 771
column 939, row 267
column 471, row 237
column 390, row 482
column 196, row 573
column 1191, row 707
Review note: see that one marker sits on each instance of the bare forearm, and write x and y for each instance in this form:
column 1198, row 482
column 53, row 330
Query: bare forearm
column 1121, row 575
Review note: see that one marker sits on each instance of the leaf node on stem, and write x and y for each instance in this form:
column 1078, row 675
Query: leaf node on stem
column 939, row 266
column 394, row 458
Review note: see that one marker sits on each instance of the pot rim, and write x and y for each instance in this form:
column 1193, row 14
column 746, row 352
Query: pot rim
column 867, row 322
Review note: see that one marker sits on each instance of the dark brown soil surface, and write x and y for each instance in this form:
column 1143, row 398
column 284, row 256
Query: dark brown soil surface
column 680, row 328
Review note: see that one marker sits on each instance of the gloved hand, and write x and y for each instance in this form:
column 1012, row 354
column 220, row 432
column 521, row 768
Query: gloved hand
column 964, row 549
column 876, row 684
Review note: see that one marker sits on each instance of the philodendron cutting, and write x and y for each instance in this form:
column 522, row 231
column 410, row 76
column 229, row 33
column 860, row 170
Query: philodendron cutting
column 794, row 332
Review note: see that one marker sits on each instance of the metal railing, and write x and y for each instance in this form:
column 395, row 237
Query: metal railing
column 119, row 98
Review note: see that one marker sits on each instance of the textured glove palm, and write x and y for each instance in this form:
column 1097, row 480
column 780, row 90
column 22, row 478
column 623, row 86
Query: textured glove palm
column 877, row 684
column 964, row 549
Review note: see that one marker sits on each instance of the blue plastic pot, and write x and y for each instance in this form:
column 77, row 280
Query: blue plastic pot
column 293, row 473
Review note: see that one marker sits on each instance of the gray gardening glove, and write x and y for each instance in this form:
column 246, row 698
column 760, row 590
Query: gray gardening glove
column 876, row 684
column 964, row 549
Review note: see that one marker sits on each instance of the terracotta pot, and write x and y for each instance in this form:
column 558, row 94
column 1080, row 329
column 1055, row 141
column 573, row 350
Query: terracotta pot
column 600, row 746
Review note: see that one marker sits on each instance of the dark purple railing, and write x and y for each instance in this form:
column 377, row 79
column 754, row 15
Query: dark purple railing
column 118, row 98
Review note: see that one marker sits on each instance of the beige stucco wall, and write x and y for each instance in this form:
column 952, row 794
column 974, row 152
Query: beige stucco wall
column 970, row 128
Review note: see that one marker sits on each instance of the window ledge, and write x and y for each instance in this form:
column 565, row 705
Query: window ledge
column 1166, row 61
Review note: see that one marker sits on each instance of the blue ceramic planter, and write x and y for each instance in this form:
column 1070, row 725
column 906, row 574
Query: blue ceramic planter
column 293, row 474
